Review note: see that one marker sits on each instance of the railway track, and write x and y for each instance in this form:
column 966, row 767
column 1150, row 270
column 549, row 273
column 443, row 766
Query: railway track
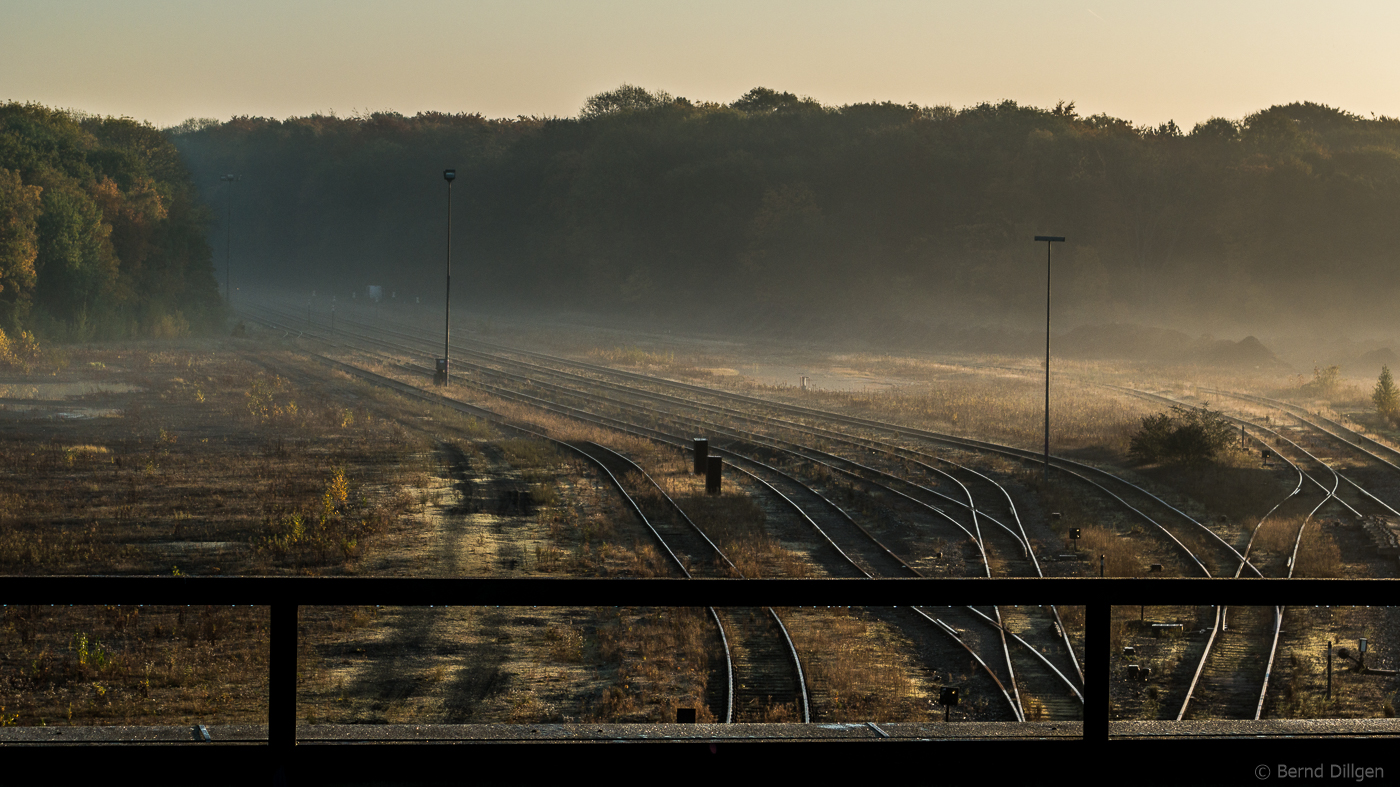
column 769, row 682
column 755, row 657
column 1130, row 497
column 1320, row 483
column 1232, row 678
column 973, row 517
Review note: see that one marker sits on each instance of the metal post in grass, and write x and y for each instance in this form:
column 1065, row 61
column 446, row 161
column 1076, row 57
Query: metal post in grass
column 948, row 697
column 714, row 471
column 1049, row 239
column 448, row 175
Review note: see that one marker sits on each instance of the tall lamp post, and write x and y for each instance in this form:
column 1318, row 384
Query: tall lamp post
column 1049, row 239
column 228, row 241
column 448, row 175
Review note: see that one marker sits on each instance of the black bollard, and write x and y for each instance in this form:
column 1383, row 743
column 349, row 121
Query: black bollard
column 712, row 475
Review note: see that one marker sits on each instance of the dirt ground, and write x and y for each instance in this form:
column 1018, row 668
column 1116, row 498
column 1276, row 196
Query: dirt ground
column 133, row 665
column 501, row 664
column 579, row 664
column 1298, row 682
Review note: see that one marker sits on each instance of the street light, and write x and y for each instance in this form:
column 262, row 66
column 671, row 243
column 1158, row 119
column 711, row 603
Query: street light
column 1049, row 239
column 448, row 175
column 228, row 240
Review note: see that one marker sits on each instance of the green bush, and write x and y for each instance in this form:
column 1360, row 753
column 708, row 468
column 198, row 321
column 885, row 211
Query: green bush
column 1386, row 396
column 1183, row 435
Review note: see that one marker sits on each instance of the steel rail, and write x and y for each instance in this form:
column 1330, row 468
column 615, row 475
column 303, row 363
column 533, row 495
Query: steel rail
column 554, row 406
column 1032, row 649
column 1220, row 626
column 1022, row 538
column 1064, row 465
column 1060, row 463
column 974, row 512
column 1337, row 476
column 636, row 467
column 496, row 418
column 797, row 662
column 1201, row 665
column 1302, row 414
column 952, row 632
column 802, row 512
column 791, row 448
column 1269, row 667
column 728, row 668
column 1015, row 706
column 630, row 428
column 792, row 649
column 1010, row 668
column 1306, row 419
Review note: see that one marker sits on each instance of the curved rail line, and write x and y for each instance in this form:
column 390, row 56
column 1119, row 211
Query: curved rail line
column 1231, row 672
column 1006, row 650
column 495, row 418
column 1059, row 624
column 1022, row 540
column 1279, row 438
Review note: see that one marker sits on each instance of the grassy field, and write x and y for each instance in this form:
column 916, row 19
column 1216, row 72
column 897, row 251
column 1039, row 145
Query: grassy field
column 133, row 665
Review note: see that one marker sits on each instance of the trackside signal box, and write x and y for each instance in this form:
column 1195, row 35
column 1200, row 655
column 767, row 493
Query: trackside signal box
column 948, row 697
column 440, row 376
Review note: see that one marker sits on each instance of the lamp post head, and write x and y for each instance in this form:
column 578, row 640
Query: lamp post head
column 1052, row 238
column 449, row 174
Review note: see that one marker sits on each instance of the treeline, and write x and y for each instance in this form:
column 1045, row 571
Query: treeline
column 101, row 231
column 776, row 205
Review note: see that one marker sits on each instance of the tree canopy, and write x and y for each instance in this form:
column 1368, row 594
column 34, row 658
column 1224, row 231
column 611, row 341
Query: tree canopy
column 774, row 204
column 101, row 231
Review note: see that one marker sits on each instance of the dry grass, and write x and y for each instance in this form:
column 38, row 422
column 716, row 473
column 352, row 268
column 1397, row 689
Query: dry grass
column 1318, row 554
column 859, row 669
column 989, row 404
column 591, row 533
column 517, row 665
column 658, row 660
column 147, row 665
column 212, row 465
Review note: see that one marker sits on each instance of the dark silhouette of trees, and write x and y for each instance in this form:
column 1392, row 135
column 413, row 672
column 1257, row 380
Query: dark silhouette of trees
column 774, row 204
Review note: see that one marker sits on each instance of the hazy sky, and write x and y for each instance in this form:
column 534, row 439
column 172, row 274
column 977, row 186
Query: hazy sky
column 168, row 60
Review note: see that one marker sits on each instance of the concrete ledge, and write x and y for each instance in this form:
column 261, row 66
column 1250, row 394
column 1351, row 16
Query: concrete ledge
column 191, row 734
column 620, row 733
column 1278, row 728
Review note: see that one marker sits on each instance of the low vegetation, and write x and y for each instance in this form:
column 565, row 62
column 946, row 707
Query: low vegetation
column 1386, row 396
column 858, row 668
column 133, row 665
column 1183, row 435
column 187, row 460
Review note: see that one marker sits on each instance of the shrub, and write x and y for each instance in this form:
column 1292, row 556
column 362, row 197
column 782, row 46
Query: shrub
column 18, row 352
column 1325, row 381
column 1386, row 396
column 1183, row 435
